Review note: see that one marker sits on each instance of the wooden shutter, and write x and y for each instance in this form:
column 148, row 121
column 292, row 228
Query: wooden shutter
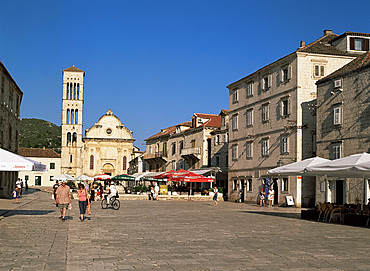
column 365, row 44
column 269, row 80
column 262, row 84
column 289, row 72
column 352, row 43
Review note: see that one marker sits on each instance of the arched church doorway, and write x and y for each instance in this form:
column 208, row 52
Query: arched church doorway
column 108, row 169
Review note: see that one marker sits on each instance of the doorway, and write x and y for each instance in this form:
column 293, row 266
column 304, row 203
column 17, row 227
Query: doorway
column 38, row 180
column 339, row 192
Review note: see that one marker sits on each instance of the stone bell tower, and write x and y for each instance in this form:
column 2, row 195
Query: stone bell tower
column 72, row 109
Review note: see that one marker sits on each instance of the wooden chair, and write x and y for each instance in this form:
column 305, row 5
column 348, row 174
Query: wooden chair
column 335, row 209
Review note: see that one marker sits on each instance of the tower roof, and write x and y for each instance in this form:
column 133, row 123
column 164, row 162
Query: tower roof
column 73, row 69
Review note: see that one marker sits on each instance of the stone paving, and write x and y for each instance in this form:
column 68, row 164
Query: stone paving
column 174, row 235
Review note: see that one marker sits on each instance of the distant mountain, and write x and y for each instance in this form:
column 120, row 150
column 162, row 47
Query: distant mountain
column 36, row 133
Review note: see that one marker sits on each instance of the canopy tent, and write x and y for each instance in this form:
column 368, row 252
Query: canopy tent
column 84, row 178
column 63, row 177
column 13, row 162
column 297, row 168
column 164, row 175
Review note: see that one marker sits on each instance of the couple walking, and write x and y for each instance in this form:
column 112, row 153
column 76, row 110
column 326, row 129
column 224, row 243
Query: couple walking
column 63, row 200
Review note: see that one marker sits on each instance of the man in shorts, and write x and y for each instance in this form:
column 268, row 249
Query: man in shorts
column 63, row 198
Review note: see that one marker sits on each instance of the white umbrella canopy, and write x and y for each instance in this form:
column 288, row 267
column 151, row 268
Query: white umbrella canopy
column 84, row 178
column 297, row 168
column 63, row 177
column 353, row 166
column 102, row 177
column 13, row 162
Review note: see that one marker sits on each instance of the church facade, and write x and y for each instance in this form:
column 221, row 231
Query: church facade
column 107, row 147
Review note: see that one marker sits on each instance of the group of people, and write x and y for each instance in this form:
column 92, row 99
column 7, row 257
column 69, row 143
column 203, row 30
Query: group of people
column 17, row 192
column 270, row 197
column 85, row 193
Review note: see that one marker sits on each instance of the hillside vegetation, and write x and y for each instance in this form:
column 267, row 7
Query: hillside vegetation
column 37, row 133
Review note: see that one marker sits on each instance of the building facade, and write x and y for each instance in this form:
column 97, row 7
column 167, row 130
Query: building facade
column 187, row 145
column 343, row 125
column 10, row 102
column 106, row 148
column 46, row 156
column 273, row 122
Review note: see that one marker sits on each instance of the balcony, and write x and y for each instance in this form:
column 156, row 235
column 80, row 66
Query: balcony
column 191, row 153
column 160, row 156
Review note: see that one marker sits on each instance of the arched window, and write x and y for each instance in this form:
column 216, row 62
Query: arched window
column 74, row 138
column 68, row 116
column 70, row 158
column 74, row 91
column 67, row 91
column 76, row 116
column 72, row 116
column 78, row 91
column 124, row 163
column 68, row 138
column 91, row 161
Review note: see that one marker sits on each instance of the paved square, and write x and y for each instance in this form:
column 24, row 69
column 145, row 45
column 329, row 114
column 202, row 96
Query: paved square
column 175, row 235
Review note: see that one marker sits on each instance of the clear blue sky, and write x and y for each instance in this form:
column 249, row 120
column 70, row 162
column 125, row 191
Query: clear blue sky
column 155, row 63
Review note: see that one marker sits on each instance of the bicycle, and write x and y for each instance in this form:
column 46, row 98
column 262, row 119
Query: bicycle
column 114, row 202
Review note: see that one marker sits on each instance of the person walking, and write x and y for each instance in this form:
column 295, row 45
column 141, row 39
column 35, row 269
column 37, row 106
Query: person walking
column 215, row 196
column 83, row 200
column 63, row 198
column 20, row 194
column 26, row 183
column 92, row 192
column 15, row 196
column 271, row 196
column 55, row 187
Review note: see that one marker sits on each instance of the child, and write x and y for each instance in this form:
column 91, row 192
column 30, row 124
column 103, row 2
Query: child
column 15, row 196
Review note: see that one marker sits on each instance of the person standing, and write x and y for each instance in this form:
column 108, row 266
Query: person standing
column 215, row 195
column 26, row 183
column 271, row 196
column 20, row 194
column 262, row 197
column 83, row 200
column 156, row 191
column 19, row 187
column 151, row 192
column 63, row 198
column 55, row 187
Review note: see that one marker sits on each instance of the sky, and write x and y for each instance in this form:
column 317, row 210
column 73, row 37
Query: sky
column 155, row 63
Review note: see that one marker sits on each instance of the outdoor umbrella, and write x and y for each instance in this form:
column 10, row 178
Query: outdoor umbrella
column 63, row 177
column 124, row 177
column 353, row 166
column 102, row 177
column 297, row 168
column 191, row 177
column 84, row 178
column 13, row 162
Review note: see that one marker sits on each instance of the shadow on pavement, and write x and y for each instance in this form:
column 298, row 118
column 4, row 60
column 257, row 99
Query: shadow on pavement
column 280, row 214
column 7, row 213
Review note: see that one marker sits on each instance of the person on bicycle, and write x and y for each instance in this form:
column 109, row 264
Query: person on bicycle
column 112, row 192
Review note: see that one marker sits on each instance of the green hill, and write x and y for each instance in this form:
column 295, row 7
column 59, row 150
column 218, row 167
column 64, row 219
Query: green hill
column 37, row 133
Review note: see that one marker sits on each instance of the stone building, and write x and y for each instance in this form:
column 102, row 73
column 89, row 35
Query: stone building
column 46, row 156
column 220, row 151
column 107, row 146
column 273, row 121
column 343, row 125
column 10, row 102
column 187, row 145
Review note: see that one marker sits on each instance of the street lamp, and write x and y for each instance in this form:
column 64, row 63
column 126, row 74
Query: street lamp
column 279, row 163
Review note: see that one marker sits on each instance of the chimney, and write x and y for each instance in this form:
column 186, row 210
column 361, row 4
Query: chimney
column 327, row 32
column 303, row 44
